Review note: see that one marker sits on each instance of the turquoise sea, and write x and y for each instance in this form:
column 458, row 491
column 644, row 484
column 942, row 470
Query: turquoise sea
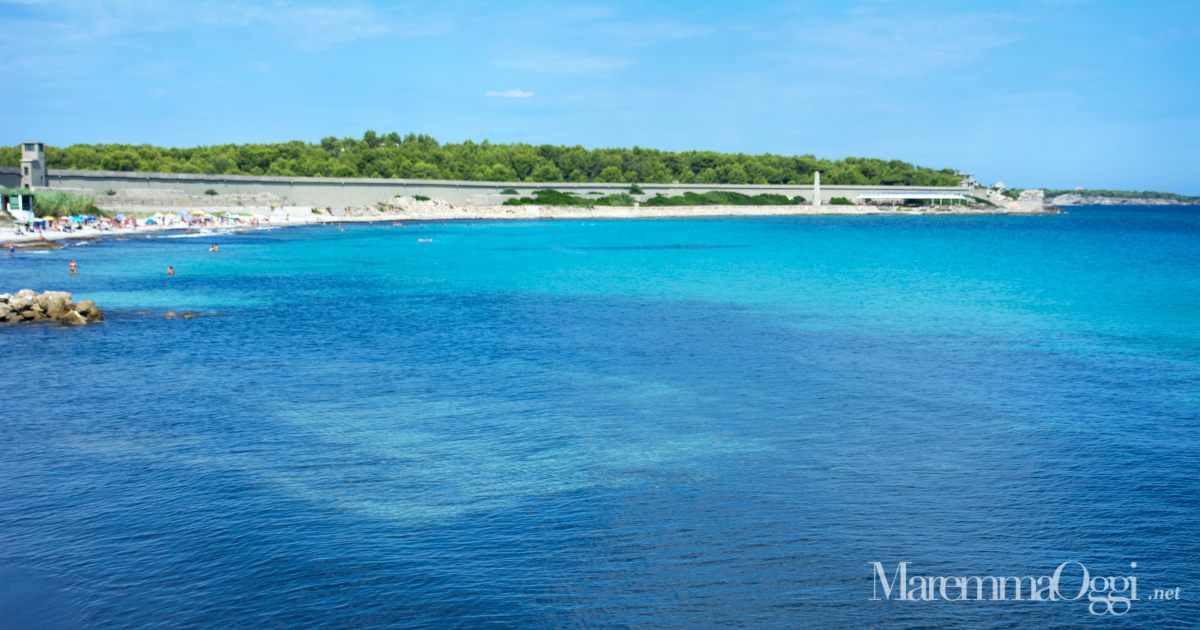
column 653, row 423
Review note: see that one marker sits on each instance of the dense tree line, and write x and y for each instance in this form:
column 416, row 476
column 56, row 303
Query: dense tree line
column 421, row 157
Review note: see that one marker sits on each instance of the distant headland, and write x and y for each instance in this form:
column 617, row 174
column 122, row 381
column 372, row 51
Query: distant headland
column 1091, row 197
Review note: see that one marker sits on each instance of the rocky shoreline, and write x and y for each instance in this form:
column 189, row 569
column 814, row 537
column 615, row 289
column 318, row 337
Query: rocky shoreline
column 1085, row 200
column 28, row 305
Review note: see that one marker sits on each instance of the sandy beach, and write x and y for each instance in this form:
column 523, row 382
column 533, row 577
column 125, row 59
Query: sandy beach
column 441, row 211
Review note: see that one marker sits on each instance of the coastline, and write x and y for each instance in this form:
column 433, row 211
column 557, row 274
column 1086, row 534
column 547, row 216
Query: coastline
column 445, row 212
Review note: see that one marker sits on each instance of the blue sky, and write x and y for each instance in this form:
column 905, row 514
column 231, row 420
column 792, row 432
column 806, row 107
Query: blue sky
column 1058, row 93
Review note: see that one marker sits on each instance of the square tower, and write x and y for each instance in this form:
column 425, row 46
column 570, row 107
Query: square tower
column 33, row 166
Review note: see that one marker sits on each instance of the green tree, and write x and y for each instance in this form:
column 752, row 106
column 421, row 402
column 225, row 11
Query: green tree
column 611, row 174
column 546, row 173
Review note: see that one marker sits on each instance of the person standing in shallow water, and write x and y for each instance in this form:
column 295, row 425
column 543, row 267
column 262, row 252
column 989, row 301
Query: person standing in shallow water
column 170, row 271
column 214, row 248
column 74, row 267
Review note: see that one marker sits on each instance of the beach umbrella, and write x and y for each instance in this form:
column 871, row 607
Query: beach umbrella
column 120, row 217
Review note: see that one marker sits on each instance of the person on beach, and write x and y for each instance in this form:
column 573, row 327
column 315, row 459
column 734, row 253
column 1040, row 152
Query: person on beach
column 74, row 267
column 170, row 271
column 12, row 249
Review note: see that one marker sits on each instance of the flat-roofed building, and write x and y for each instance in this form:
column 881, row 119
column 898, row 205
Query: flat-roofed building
column 898, row 198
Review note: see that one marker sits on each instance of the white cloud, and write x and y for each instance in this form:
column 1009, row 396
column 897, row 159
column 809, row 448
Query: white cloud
column 307, row 26
column 510, row 93
column 874, row 40
column 558, row 62
column 652, row 30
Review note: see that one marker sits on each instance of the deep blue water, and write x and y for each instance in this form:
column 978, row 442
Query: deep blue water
column 606, row 424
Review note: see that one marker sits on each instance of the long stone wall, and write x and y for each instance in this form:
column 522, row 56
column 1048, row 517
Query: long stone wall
column 329, row 192
column 10, row 177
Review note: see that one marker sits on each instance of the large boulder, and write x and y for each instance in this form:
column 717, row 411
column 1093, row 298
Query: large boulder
column 5, row 309
column 56, row 305
column 20, row 301
column 1031, row 200
column 72, row 318
column 88, row 309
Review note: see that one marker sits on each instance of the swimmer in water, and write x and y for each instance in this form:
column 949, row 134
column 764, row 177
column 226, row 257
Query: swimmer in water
column 170, row 271
column 74, row 267
column 214, row 248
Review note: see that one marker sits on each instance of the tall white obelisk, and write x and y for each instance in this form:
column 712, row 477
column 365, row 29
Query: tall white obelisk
column 816, row 188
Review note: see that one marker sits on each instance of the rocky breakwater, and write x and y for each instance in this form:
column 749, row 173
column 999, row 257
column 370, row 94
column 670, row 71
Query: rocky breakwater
column 28, row 305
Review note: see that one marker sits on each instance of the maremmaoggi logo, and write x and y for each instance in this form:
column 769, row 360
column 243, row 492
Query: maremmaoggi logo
column 1070, row 581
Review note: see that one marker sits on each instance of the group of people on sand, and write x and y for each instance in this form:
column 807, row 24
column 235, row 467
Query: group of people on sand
column 74, row 266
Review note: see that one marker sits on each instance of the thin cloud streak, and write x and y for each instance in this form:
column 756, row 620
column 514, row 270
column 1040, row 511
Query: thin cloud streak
column 512, row 93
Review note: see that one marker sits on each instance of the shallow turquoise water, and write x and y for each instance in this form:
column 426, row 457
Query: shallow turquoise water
column 608, row 423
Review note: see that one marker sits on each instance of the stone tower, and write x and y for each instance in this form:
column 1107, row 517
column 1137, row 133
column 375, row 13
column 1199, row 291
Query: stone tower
column 33, row 166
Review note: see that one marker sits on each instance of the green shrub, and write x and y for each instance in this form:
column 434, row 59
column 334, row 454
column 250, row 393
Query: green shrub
column 420, row 197
column 719, row 198
column 56, row 203
column 559, row 198
column 550, row 198
column 110, row 192
column 634, row 189
column 210, row 191
column 509, row 191
column 840, row 201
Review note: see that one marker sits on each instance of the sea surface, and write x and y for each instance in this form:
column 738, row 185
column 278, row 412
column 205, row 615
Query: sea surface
column 645, row 424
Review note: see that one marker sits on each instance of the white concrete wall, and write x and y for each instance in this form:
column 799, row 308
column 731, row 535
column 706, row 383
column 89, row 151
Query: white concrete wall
column 322, row 192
